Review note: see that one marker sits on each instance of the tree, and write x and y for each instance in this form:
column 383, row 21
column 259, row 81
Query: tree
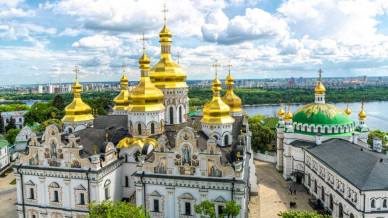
column 58, row 102
column 40, row 112
column 11, row 124
column 376, row 134
column 301, row 214
column 11, row 135
column 231, row 209
column 206, row 209
column 117, row 209
column 262, row 137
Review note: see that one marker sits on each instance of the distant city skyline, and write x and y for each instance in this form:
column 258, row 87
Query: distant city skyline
column 41, row 41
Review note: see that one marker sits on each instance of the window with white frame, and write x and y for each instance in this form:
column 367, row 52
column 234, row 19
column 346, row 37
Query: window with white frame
column 54, row 192
column 30, row 190
column 80, row 193
column 155, row 200
column 186, row 205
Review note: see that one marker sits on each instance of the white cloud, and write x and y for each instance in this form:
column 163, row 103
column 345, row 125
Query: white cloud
column 255, row 24
column 98, row 42
column 70, row 32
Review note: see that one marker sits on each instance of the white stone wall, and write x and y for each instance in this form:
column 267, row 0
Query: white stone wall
column 145, row 119
column 172, row 197
column 4, row 157
column 17, row 115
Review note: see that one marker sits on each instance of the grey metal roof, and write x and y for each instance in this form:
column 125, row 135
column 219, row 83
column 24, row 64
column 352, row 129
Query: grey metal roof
column 365, row 169
column 106, row 121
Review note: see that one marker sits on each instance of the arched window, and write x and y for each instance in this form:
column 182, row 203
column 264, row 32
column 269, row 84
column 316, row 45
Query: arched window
column 319, row 129
column 139, row 128
column 331, row 203
column 152, row 128
column 340, row 211
column 326, row 129
column 315, row 186
column 373, row 203
column 351, row 215
column 332, row 130
column 312, row 129
column 226, row 140
column 305, row 128
column 309, row 180
column 107, row 189
column 171, row 115
column 54, row 192
column 323, row 194
column 385, row 203
column 180, row 114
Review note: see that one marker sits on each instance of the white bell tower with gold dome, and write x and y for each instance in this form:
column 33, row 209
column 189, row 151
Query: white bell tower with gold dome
column 146, row 111
column 217, row 121
column 170, row 78
column 78, row 114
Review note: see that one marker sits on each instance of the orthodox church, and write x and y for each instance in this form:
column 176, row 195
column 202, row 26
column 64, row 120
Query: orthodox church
column 321, row 147
column 148, row 151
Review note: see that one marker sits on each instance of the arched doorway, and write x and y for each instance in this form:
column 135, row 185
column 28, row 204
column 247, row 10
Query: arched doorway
column 171, row 115
column 351, row 215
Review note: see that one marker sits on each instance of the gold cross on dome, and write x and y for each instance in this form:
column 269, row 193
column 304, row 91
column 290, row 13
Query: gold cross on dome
column 76, row 71
column 229, row 67
column 143, row 39
column 216, row 65
column 320, row 74
column 165, row 10
column 178, row 56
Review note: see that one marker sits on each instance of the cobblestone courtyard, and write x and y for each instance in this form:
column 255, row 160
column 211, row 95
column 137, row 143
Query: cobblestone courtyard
column 273, row 194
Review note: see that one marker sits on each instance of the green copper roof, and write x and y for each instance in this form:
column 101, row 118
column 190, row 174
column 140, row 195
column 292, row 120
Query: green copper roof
column 3, row 143
column 324, row 114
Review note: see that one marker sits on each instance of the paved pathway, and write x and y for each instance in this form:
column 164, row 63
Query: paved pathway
column 273, row 194
column 7, row 197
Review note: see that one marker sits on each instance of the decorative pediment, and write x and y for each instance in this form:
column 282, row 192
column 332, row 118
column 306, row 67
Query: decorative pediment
column 220, row 199
column 80, row 187
column 186, row 196
column 30, row 183
column 155, row 194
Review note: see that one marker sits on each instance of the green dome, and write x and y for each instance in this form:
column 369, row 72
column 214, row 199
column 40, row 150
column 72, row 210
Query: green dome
column 321, row 114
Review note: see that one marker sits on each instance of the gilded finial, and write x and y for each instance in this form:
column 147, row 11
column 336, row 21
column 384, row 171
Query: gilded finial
column 165, row 10
column 143, row 39
column 76, row 71
column 123, row 69
column 178, row 56
column 348, row 111
column 229, row 67
column 95, row 147
column 320, row 74
column 216, row 65
column 362, row 114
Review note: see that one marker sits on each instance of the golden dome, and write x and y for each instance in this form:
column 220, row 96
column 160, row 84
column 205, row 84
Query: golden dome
column 216, row 111
column 348, row 111
column 288, row 116
column 362, row 114
column 129, row 142
column 320, row 88
column 122, row 99
column 145, row 96
column 281, row 112
column 166, row 73
column 77, row 110
column 230, row 98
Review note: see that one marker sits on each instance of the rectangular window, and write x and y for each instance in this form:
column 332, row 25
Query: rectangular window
column 187, row 208
column 56, row 196
column 32, row 194
column 156, row 205
column 82, row 199
column 126, row 181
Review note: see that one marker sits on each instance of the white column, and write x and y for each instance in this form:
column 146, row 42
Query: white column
column 171, row 205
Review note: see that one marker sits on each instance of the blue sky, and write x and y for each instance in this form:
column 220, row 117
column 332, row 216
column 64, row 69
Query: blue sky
column 41, row 41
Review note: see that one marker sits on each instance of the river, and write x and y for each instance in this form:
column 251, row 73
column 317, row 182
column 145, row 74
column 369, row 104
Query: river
column 377, row 112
